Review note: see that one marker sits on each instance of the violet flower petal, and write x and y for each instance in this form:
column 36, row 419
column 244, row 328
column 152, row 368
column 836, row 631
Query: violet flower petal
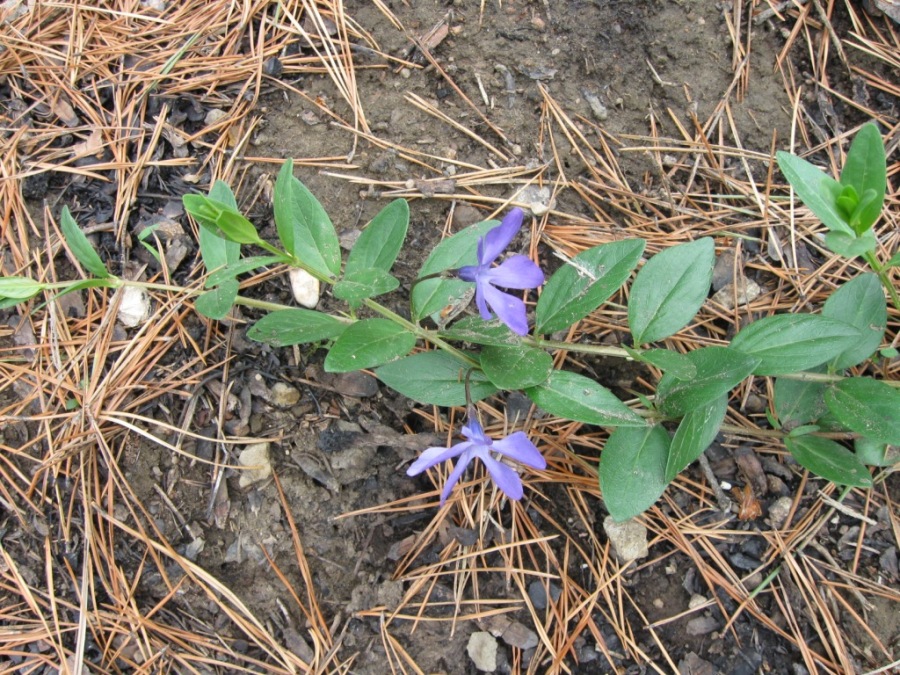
column 475, row 432
column 468, row 273
column 518, row 271
column 504, row 477
column 454, row 476
column 434, row 456
column 481, row 303
column 519, row 447
column 497, row 239
column 509, row 309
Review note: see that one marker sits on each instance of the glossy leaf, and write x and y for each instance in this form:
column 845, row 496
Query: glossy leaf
column 633, row 470
column 79, row 245
column 433, row 295
column 379, row 244
column 360, row 284
column 817, row 190
column 19, row 288
column 434, row 378
column 576, row 397
column 238, row 267
column 719, row 370
column 798, row 402
column 865, row 170
column 696, row 431
column 869, row 407
column 829, row 460
column 791, row 343
column 516, row 367
column 476, row 330
column 368, row 343
column 303, row 225
column 584, row 283
column 216, row 303
column 670, row 289
column 296, row 326
column 859, row 302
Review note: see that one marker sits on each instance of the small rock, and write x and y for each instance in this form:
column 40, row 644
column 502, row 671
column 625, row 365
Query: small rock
column 696, row 601
column 283, row 395
column 537, row 593
column 779, row 511
column 464, row 215
column 305, row 288
column 356, row 384
column 745, row 292
column 519, row 635
column 135, row 307
column 723, row 271
column 702, row 625
column 692, row 664
column 482, row 649
column 628, row 539
column 256, row 456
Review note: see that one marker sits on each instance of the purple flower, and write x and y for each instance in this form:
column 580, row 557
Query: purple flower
column 517, row 272
column 517, row 447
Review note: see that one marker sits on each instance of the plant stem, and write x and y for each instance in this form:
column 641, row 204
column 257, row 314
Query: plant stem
column 599, row 350
column 880, row 270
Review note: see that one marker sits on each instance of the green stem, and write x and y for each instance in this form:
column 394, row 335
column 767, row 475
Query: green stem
column 881, row 271
column 598, row 350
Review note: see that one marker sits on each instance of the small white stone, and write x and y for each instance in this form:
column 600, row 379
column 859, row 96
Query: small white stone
column 482, row 649
column 135, row 306
column 284, row 395
column 256, row 456
column 305, row 287
column 628, row 539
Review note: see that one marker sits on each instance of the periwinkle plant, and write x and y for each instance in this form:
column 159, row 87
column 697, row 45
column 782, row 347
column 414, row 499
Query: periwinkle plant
column 478, row 356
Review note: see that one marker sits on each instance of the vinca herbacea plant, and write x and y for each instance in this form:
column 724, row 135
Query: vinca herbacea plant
column 835, row 423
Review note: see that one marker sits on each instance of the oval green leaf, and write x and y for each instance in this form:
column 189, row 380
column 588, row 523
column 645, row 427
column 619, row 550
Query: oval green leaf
column 633, row 470
column 303, row 225
column 360, row 284
column 476, row 330
column 516, row 367
column 865, row 170
column 19, row 288
column 670, row 289
column 434, row 378
column 719, row 370
column 576, row 397
column 798, row 402
column 829, row 460
column 816, row 189
column 791, row 343
column 216, row 303
column 368, row 343
column 584, row 283
column 861, row 303
column 379, row 244
column 296, row 326
column 868, row 407
column 674, row 363
column 695, row 432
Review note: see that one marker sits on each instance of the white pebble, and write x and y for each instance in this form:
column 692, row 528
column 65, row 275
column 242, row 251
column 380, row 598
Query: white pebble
column 135, row 307
column 305, row 287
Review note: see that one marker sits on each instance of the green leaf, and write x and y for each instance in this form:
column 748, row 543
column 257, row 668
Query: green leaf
column 584, row 283
column 670, row 289
column 434, row 378
column 675, row 364
column 216, row 304
column 217, row 251
column 360, row 284
column 696, row 431
column 849, row 245
column 719, row 370
column 873, row 453
column 221, row 219
column 865, row 171
column 379, row 244
column 368, row 343
column 476, row 330
column 433, row 295
column 518, row 367
column 303, row 225
column 80, row 246
column 238, row 267
column 579, row 398
column 861, row 303
column 869, row 407
column 633, row 470
column 296, row 326
column 19, row 288
column 816, row 189
column 791, row 343
column 829, row 460
column 894, row 261
column 798, row 402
